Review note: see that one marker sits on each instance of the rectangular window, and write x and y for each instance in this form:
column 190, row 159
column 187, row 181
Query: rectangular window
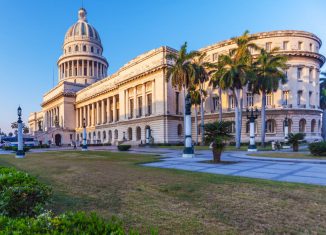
column 299, row 97
column 149, row 104
column 310, row 96
column 285, row 97
column 216, row 103
column 285, row 45
column 300, row 45
column 215, row 57
column 310, row 46
column 310, row 75
column 268, row 46
column 131, row 108
column 250, row 99
column 269, row 99
column 140, row 106
column 177, row 103
column 299, row 73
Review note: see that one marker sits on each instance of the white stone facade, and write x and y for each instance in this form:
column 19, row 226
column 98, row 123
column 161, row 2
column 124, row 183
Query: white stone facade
column 137, row 99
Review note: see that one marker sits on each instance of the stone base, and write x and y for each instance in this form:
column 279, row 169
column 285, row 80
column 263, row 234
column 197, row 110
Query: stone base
column 252, row 150
column 84, row 148
column 188, row 155
column 20, row 154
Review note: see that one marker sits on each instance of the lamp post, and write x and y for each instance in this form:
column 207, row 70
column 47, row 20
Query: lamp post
column 286, row 132
column 252, row 116
column 84, row 146
column 20, row 150
column 188, row 150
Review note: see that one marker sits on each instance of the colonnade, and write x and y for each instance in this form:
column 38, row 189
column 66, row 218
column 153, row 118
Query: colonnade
column 88, row 68
column 50, row 117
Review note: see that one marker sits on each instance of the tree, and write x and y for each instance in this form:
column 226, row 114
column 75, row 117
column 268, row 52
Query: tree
column 25, row 130
column 201, row 76
column 195, row 100
column 181, row 72
column 10, row 134
column 14, row 125
column 269, row 70
column 216, row 134
column 323, row 103
column 216, row 72
column 294, row 139
column 236, row 72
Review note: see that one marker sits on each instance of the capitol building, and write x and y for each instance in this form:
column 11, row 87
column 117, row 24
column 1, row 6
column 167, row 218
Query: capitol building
column 136, row 104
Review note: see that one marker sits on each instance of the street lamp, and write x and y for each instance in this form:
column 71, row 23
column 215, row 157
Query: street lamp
column 252, row 116
column 188, row 150
column 84, row 146
column 20, row 150
column 286, row 132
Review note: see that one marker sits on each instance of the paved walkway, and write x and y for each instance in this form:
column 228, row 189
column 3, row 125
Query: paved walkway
column 289, row 170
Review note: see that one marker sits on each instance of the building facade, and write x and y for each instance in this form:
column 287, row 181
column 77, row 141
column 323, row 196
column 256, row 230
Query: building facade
column 137, row 105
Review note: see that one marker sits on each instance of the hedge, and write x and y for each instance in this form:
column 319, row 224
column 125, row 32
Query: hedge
column 67, row 223
column 15, row 148
column 318, row 148
column 21, row 194
column 124, row 147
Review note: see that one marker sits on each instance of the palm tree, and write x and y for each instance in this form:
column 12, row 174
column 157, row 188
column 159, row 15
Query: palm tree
column 323, row 103
column 201, row 76
column 216, row 73
column 236, row 72
column 181, row 73
column 294, row 139
column 269, row 72
column 195, row 100
column 216, row 134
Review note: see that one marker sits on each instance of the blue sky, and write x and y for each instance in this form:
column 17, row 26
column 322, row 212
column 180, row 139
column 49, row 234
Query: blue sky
column 32, row 34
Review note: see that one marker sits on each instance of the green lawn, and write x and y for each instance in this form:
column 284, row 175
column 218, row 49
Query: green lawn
column 287, row 155
column 227, row 148
column 174, row 202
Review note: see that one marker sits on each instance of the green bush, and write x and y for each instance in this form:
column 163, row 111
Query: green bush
column 15, row 148
column 68, row 223
column 124, row 147
column 21, row 194
column 318, row 148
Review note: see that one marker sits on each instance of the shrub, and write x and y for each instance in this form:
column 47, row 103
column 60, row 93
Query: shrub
column 124, row 147
column 15, row 148
column 21, row 194
column 318, row 148
column 68, row 223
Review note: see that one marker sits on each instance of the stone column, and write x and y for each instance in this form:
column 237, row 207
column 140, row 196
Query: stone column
column 98, row 114
column 135, row 102
column 114, row 109
column 93, row 114
column 127, row 114
column 102, row 112
column 153, row 97
column 80, row 118
column 108, row 110
column 84, row 113
column 93, row 69
column 144, row 99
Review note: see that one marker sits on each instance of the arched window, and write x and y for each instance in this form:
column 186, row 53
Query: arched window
column 99, row 135
column 130, row 133
column 76, row 48
column 104, row 135
column 115, row 134
column 69, row 49
column 318, row 125
column 179, row 130
column 110, row 135
column 302, row 125
column 289, row 125
column 138, row 133
column 84, row 48
column 270, row 126
column 232, row 127
column 313, row 125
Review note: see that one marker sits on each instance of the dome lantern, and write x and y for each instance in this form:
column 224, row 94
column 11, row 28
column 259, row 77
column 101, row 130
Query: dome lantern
column 82, row 14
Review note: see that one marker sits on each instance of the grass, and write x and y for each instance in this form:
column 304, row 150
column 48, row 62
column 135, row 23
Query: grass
column 227, row 148
column 173, row 201
column 288, row 155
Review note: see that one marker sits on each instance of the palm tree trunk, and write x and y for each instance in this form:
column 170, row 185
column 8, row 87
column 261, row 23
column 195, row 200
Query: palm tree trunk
column 263, row 118
column 202, row 117
column 196, row 123
column 184, row 115
column 220, row 104
column 237, row 118
column 323, row 131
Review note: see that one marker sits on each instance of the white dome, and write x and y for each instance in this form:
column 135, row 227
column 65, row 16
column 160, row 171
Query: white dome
column 82, row 29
